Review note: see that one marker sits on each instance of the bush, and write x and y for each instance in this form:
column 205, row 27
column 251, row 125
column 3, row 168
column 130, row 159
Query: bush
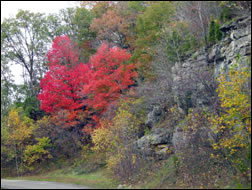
column 66, row 142
column 195, row 162
column 218, row 33
column 18, row 133
column 214, row 34
column 211, row 33
column 117, row 139
column 232, row 124
column 37, row 153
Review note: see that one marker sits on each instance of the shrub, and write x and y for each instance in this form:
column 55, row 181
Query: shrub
column 232, row 124
column 37, row 153
column 195, row 163
column 211, row 33
column 19, row 132
column 218, row 33
column 66, row 142
column 214, row 34
column 116, row 138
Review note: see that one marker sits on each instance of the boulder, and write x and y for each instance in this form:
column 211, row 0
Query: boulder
column 157, row 136
column 164, row 152
column 186, row 139
column 157, row 144
column 154, row 116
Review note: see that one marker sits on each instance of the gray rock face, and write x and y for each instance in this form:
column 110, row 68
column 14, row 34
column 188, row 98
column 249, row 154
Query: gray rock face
column 164, row 152
column 236, row 43
column 154, row 116
column 185, row 139
column 157, row 144
column 161, row 143
column 158, row 136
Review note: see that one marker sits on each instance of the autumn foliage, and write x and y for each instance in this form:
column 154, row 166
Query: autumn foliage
column 108, row 77
column 73, row 87
column 233, row 124
column 63, row 52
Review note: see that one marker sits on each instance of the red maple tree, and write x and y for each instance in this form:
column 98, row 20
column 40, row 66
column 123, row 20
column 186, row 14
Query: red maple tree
column 62, row 85
column 109, row 76
column 74, row 87
column 64, row 52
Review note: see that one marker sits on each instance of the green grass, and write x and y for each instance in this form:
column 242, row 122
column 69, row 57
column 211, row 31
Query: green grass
column 99, row 179
column 90, row 172
column 163, row 177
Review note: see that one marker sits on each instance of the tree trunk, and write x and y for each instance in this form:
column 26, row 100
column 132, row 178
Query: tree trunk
column 16, row 157
column 201, row 22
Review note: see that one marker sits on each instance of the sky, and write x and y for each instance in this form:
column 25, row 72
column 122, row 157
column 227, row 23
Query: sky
column 10, row 9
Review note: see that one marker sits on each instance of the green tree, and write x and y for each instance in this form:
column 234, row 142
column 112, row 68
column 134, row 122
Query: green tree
column 74, row 22
column 177, row 41
column 218, row 33
column 148, row 27
column 85, row 37
column 214, row 33
column 7, row 87
column 211, row 33
column 100, row 7
column 25, row 42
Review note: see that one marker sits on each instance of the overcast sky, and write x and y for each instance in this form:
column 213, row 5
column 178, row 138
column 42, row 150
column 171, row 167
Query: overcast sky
column 10, row 8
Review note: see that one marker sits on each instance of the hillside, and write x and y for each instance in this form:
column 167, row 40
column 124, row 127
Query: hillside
column 129, row 95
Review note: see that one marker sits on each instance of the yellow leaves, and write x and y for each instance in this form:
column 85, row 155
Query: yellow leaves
column 101, row 140
column 37, row 152
column 231, row 92
column 212, row 155
column 133, row 159
column 168, row 151
column 249, row 128
column 215, row 156
column 234, row 121
column 114, row 136
column 110, row 134
column 13, row 119
column 226, row 143
column 113, row 161
column 173, row 109
column 19, row 128
column 215, row 146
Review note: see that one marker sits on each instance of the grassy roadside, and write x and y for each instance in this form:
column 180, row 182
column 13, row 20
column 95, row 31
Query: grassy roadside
column 163, row 177
column 89, row 171
column 98, row 179
column 92, row 172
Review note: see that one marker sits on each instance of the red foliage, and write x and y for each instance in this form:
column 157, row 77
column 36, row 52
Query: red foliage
column 63, row 52
column 61, row 87
column 109, row 77
column 74, row 86
column 62, row 84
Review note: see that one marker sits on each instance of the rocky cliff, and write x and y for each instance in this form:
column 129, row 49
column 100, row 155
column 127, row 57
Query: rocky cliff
column 235, row 46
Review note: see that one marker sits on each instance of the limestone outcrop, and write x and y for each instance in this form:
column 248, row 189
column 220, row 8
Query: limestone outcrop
column 234, row 47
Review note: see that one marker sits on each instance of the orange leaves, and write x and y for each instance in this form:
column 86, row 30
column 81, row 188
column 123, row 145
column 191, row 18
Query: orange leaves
column 112, row 27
